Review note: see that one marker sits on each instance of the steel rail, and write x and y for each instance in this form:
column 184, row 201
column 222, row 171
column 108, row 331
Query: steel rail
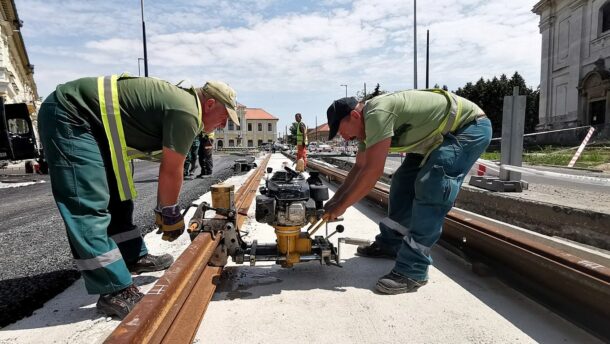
column 574, row 286
column 173, row 309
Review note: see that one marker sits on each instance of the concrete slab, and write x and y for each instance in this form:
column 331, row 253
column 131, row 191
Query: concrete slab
column 312, row 303
column 71, row 317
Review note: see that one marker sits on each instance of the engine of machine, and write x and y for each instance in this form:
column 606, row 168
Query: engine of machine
column 288, row 202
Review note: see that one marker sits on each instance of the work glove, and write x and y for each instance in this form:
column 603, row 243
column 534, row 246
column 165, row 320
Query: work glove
column 170, row 222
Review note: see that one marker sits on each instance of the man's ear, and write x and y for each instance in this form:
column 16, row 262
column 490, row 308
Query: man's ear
column 210, row 102
column 355, row 114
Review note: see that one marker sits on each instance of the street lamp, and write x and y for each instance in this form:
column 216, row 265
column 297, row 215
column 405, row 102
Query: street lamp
column 345, row 90
column 139, row 59
column 144, row 39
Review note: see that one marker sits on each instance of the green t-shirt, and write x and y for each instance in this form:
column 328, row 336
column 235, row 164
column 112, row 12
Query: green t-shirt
column 154, row 113
column 408, row 117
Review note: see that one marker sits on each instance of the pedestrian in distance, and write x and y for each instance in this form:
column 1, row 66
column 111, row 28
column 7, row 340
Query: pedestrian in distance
column 444, row 135
column 90, row 128
column 190, row 163
column 206, row 150
column 301, row 140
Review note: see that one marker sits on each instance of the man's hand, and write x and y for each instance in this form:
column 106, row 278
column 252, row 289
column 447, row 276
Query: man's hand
column 172, row 222
column 332, row 210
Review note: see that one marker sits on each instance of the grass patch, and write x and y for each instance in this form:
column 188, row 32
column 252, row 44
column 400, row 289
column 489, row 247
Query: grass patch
column 589, row 158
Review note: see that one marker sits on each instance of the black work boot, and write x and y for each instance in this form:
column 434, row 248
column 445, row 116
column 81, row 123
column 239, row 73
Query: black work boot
column 119, row 303
column 374, row 250
column 395, row 283
column 149, row 263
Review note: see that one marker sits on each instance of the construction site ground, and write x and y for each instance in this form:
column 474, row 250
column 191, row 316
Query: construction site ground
column 326, row 304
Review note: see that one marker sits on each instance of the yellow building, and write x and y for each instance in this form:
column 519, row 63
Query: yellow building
column 257, row 127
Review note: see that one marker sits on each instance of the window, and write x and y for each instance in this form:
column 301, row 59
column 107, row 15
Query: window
column 269, row 127
column 18, row 126
column 250, row 142
column 270, row 141
column 260, row 127
column 231, row 143
column 238, row 127
column 231, row 125
column 260, row 142
column 604, row 17
column 250, row 128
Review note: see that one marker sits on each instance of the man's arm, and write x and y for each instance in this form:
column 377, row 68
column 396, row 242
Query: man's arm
column 170, row 177
column 363, row 180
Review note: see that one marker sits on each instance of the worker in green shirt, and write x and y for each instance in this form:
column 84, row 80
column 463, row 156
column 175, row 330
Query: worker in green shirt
column 443, row 135
column 90, row 129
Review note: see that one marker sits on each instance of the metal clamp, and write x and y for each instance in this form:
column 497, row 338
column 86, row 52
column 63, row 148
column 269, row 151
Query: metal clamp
column 350, row 241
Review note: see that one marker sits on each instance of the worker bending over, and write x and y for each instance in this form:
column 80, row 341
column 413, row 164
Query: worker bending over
column 90, row 128
column 444, row 135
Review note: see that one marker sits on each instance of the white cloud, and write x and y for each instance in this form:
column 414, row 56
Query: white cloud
column 268, row 47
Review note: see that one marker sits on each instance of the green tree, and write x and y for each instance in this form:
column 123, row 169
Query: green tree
column 376, row 91
column 292, row 134
column 489, row 95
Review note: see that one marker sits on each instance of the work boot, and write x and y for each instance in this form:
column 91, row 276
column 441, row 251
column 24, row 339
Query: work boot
column 150, row 263
column 119, row 303
column 375, row 250
column 395, row 283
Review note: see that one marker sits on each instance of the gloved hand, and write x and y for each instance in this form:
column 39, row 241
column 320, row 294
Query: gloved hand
column 171, row 222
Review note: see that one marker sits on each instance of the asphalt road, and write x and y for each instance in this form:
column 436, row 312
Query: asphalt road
column 35, row 259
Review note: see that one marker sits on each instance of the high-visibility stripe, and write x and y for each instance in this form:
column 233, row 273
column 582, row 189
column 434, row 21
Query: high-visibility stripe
column 126, row 236
column 113, row 126
column 406, row 232
column 100, row 261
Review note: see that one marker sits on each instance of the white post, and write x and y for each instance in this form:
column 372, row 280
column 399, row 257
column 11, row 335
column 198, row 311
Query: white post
column 513, row 122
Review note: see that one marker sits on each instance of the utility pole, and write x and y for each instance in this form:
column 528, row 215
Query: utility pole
column 345, row 90
column 316, row 128
column 427, row 58
column 139, row 59
column 144, row 39
column 415, row 44
column 364, row 91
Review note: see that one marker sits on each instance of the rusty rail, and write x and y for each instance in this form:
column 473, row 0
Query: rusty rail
column 173, row 309
column 573, row 286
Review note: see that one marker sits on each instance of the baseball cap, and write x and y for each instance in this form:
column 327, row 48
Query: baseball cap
column 224, row 94
column 338, row 110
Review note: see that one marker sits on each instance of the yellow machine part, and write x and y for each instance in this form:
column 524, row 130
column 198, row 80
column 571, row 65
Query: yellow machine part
column 292, row 243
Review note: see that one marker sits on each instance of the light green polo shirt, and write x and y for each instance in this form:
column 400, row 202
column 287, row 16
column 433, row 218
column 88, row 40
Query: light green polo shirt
column 154, row 113
column 408, row 117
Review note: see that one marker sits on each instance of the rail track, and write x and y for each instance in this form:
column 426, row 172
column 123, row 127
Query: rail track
column 172, row 310
column 573, row 282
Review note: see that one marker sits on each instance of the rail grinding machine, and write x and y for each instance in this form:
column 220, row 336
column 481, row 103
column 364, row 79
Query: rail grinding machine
column 288, row 202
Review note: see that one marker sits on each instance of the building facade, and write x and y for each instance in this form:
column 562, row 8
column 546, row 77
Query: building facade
column 575, row 74
column 257, row 127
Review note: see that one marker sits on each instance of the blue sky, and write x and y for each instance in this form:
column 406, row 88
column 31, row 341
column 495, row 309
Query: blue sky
column 285, row 56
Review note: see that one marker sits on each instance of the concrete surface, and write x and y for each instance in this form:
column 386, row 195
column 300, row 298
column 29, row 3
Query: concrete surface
column 71, row 316
column 311, row 303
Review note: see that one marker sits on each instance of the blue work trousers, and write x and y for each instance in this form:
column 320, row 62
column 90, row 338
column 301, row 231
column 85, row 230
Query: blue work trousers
column 99, row 225
column 420, row 197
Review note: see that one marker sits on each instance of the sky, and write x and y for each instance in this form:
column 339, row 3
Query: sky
column 285, row 56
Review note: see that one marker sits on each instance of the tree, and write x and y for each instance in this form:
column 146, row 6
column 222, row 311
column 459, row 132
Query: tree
column 292, row 135
column 489, row 95
column 364, row 97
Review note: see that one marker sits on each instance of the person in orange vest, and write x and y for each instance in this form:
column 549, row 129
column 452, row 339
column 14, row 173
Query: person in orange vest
column 301, row 139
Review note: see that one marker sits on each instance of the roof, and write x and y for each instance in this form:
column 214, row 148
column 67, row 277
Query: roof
column 257, row 113
column 320, row 128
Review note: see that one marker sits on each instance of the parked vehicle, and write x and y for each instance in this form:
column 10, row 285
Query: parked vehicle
column 319, row 147
column 17, row 139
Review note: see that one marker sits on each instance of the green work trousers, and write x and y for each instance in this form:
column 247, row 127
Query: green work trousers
column 99, row 225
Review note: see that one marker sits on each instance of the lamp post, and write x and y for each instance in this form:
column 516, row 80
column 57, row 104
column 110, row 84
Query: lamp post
column 144, row 39
column 415, row 44
column 345, row 90
column 139, row 59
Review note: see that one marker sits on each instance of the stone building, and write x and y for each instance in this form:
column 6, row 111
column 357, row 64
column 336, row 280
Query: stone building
column 257, row 127
column 16, row 73
column 575, row 78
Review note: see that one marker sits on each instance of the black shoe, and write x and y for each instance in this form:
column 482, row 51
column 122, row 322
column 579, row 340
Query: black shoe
column 119, row 303
column 374, row 250
column 394, row 283
column 150, row 263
